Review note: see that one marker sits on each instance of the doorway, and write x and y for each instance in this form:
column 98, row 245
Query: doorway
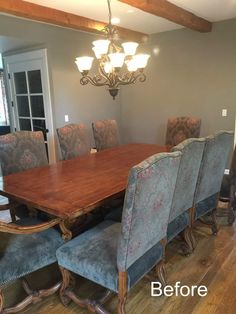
column 29, row 95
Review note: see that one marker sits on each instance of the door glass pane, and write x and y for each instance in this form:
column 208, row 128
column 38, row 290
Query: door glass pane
column 23, row 106
column 35, row 84
column 25, row 124
column 20, row 83
column 37, row 107
column 39, row 125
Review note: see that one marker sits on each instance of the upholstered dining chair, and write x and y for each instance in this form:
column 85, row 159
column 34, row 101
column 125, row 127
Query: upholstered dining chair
column 20, row 151
column 26, row 246
column 214, row 160
column 180, row 213
column 117, row 255
column 74, row 141
column 181, row 128
column 106, row 134
column 228, row 189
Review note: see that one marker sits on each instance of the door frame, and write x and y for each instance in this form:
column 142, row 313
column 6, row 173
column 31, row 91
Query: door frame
column 19, row 57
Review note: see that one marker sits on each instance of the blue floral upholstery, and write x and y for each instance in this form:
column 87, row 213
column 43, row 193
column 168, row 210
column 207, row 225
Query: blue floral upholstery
column 211, row 172
column 93, row 256
column 206, row 205
column 24, row 254
column 177, row 225
column 134, row 244
column 192, row 151
column 106, row 134
column 74, row 141
column 147, row 206
column 181, row 128
column 22, row 150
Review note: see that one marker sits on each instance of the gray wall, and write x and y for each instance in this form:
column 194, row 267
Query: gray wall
column 81, row 103
column 193, row 74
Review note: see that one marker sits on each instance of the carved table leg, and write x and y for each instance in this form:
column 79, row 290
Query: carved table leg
column 66, row 233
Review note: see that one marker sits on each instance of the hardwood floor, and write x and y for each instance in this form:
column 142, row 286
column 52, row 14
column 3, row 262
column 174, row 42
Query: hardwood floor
column 212, row 264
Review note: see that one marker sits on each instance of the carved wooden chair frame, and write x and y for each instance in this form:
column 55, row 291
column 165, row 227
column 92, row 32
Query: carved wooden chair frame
column 34, row 296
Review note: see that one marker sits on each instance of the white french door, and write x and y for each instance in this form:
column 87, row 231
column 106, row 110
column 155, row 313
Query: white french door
column 29, row 93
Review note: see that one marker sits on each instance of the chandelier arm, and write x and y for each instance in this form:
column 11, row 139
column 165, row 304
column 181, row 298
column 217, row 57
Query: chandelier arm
column 127, row 79
column 106, row 76
column 92, row 80
column 141, row 77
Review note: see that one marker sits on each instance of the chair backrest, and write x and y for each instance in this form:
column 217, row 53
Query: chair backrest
column 106, row 134
column 147, row 206
column 74, row 141
column 214, row 160
column 192, row 151
column 22, row 150
column 181, row 128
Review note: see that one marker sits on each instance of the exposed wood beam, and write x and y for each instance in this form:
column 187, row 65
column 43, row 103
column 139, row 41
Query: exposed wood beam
column 52, row 16
column 172, row 12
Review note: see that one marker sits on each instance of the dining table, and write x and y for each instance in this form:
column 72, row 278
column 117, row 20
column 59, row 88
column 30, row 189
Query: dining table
column 71, row 188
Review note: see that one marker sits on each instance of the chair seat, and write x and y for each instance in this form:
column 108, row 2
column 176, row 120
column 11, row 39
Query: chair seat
column 93, row 255
column 206, row 205
column 23, row 254
column 177, row 225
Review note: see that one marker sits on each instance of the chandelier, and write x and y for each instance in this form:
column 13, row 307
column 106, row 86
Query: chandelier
column 117, row 64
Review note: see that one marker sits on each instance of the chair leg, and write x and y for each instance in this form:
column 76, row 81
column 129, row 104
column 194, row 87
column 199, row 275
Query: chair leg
column 1, row 301
column 231, row 215
column 34, row 296
column 214, row 226
column 193, row 239
column 122, row 294
column 161, row 273
column 187, row 247
column 67, row 295
column 66, row 279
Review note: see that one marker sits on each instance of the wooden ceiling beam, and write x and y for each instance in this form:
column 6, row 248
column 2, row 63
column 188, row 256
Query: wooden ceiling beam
column 172, row 12
column 52, row 16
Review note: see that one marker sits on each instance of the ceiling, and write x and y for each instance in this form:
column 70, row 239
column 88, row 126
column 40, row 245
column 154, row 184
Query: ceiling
column 135, row 19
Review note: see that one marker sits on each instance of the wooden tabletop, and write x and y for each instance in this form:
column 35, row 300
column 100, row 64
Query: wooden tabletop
column 71, row 188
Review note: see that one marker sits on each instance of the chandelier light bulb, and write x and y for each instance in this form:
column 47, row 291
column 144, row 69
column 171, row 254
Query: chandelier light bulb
column 130, row 48
column 97, row 53
column 131, row 65
column 108, row 67
column 101, row 46
column 141, row 60
column 117, row 59
column 84, row 63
